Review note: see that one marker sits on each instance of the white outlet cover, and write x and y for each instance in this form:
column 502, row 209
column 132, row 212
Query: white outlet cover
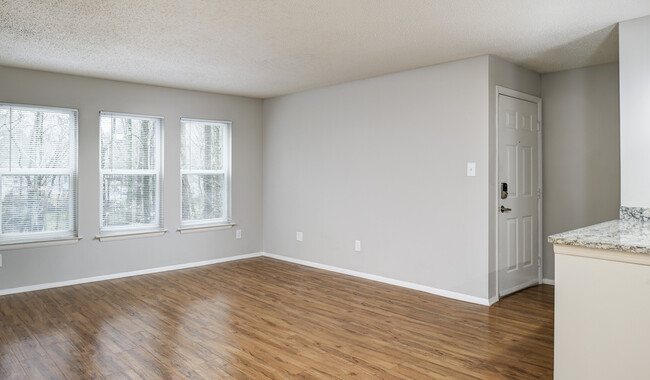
column 238, row 234
column 357, row 245
column 299, row 236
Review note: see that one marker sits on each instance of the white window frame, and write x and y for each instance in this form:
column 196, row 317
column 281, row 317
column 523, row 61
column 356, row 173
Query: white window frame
column 136, row 230
column 16, row 240
column 226, row 221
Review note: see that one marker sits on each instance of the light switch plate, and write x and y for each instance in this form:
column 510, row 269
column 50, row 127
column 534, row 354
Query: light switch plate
column 299, row 236
column 471, row 169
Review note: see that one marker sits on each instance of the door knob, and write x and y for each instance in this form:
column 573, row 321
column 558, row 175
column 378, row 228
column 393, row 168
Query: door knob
column 505, row 209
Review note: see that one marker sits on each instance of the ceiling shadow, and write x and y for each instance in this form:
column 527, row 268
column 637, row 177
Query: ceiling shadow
column 592, row 49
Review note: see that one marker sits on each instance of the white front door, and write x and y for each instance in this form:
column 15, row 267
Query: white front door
column 518, row 194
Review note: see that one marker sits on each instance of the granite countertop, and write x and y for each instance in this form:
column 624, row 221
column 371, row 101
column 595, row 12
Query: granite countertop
column 628, row 234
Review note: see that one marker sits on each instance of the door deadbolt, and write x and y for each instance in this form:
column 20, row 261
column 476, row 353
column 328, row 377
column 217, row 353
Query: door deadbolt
column 504, row 190
column 505, row 209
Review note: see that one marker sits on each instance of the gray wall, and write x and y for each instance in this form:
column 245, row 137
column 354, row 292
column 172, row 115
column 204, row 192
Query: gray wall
column 379, row 160
column 634, row 47
column 92, row 258
column 581, row 151
column 383, row 161
column 504, row 74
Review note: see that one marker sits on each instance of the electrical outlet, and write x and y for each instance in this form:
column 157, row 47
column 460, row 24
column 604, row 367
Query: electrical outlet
column 299, row 236
column 0, row 260
column 357, row 245
column 238, row 234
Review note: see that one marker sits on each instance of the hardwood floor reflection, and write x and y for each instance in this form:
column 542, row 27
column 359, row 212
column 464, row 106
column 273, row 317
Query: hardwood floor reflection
column 262, row 318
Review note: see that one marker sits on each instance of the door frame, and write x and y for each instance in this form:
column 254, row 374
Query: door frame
column 540, row 244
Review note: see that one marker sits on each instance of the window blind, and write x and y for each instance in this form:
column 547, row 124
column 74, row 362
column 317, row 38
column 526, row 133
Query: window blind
column 205, row 172
column 38, row 173
column 130, row 172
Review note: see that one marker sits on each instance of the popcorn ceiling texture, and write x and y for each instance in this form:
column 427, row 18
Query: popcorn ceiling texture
column 274, row 47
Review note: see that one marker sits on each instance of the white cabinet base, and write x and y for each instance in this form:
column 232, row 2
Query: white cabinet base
column 602, row 317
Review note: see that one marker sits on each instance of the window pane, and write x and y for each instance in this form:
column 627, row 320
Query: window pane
column 40, row 139
column 38, row 184
column 185, row 148
column 35, row 203
column 129, row 199
column 203, row 196
column 129, row 160
column 202, row 145
column 128, row 143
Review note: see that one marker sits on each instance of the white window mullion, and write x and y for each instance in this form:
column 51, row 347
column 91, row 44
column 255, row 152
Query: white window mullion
column 44, row 171
column 128, row 172
column 203, row 172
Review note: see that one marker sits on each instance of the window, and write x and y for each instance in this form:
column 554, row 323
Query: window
column 205, row 172
column 38, row 173
column 130, row 173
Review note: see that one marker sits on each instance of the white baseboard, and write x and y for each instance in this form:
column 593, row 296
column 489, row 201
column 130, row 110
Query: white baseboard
column 50, row 285
column 404, row 284
column 386, row 280
column 520, row 287
column 544, row 281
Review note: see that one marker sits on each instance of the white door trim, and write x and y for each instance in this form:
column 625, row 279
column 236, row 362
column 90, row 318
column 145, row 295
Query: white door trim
column 533, row 99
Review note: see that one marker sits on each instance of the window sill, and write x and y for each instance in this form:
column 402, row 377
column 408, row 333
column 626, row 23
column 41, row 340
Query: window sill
column 37, row 244
column 214, row 227
column 129, row 235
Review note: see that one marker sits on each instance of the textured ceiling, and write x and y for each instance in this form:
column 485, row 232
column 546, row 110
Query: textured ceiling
column 264, row 48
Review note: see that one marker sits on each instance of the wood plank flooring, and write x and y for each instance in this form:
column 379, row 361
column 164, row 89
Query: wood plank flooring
column 266, row 319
